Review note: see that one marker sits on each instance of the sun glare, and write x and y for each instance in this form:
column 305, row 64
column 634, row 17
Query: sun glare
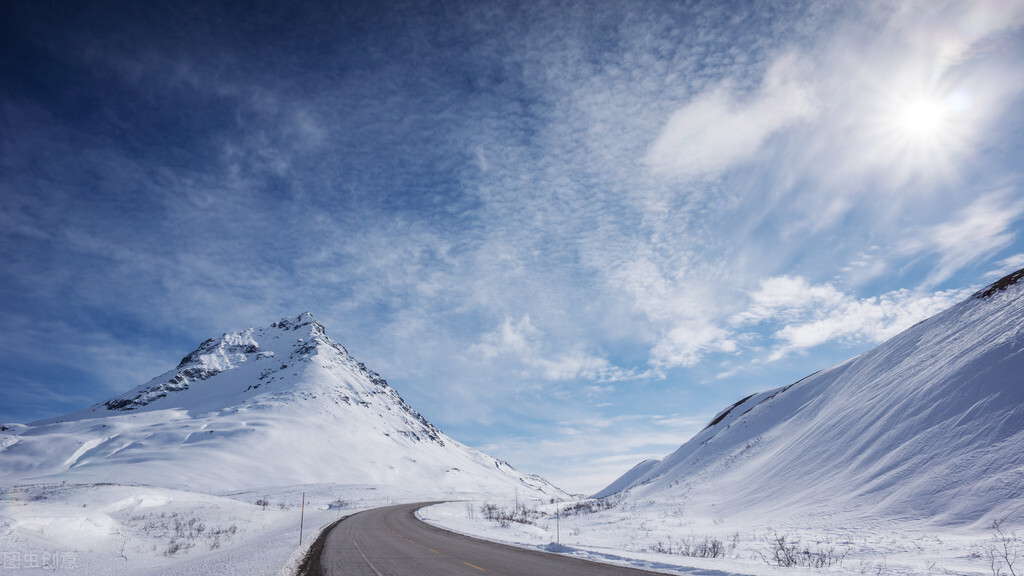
column 922, row 119
column 921, row 131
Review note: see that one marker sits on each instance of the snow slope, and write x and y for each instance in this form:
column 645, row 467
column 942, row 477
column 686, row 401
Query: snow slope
column 927, row 427
column 897, row 462
column 280, row 405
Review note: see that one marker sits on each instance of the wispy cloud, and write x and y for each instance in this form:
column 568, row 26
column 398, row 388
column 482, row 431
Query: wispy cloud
column 1006, row 266
column 522, row 343
column 978, row 231
column 519, row 215
column 953, row 29
column 719, row 128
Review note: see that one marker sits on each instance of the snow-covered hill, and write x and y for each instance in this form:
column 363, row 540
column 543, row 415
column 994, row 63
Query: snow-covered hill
column 928, row 426
column 281, row 405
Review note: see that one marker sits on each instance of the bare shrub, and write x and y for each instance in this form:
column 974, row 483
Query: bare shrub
column 176, row 545
column 692, row 547
column 1003, row 550
column 784, row 553
column 505, row 517
column 182, row 532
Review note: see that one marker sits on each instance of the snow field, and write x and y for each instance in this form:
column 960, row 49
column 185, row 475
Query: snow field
column 655, row 535
column 103, row 529
column 113, row 529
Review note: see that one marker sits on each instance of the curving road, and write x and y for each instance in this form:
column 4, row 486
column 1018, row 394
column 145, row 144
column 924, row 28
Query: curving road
column 393, row 542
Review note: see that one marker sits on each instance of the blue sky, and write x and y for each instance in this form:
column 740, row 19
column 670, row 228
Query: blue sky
column 567, row 232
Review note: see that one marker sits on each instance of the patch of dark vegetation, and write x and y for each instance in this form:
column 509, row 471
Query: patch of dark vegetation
column 727, row 411
column 520, row 514
column 1000, row 285
column 589, row 506
column 781, row 390
column 119, row 404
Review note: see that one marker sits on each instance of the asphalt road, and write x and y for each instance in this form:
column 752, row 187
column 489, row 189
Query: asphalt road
column 393, row 542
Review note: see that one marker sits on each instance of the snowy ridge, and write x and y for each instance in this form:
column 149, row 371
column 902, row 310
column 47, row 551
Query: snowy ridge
column 279, row 405
column 927, row 426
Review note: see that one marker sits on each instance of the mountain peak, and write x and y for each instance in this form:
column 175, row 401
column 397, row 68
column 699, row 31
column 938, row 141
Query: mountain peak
column 300, row 321
column 289, row 340
column 278, row 405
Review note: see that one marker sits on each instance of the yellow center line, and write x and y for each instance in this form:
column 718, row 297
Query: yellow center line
column 435, row 551
column 473, row 566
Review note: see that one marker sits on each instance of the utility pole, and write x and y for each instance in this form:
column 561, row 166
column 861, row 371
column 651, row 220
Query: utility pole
column 558, row 528
column 302, row 516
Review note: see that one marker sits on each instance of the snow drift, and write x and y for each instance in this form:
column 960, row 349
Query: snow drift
column 928, row 426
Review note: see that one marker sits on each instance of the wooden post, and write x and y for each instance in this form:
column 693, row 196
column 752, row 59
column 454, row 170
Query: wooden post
column 302, row 516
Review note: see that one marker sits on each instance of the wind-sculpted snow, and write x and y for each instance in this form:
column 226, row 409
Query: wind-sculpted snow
column 283, row 404
column 928, row 426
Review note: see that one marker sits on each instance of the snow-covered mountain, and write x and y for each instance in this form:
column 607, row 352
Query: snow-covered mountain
column 927, row 426
column 280, row 405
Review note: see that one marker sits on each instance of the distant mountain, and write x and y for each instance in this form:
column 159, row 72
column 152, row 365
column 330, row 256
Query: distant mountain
column 270, row 406
column 928, row 425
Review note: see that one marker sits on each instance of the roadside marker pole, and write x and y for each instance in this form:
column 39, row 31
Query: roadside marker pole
column 302, row 516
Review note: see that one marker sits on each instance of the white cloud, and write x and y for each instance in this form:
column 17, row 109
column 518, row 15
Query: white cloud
column 523, row 343
column 953, row 28
column 782, row 296
column 1007, row 266
column 689, row 342
column 511, row 338
column 873, row 319
column 575, row 366
column 817, row 314
column 978, row 231
column 717, row 129
column 682, row 310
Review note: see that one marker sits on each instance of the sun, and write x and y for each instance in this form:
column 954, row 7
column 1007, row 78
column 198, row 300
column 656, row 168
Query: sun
column 920, row 131
column 922, row 119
